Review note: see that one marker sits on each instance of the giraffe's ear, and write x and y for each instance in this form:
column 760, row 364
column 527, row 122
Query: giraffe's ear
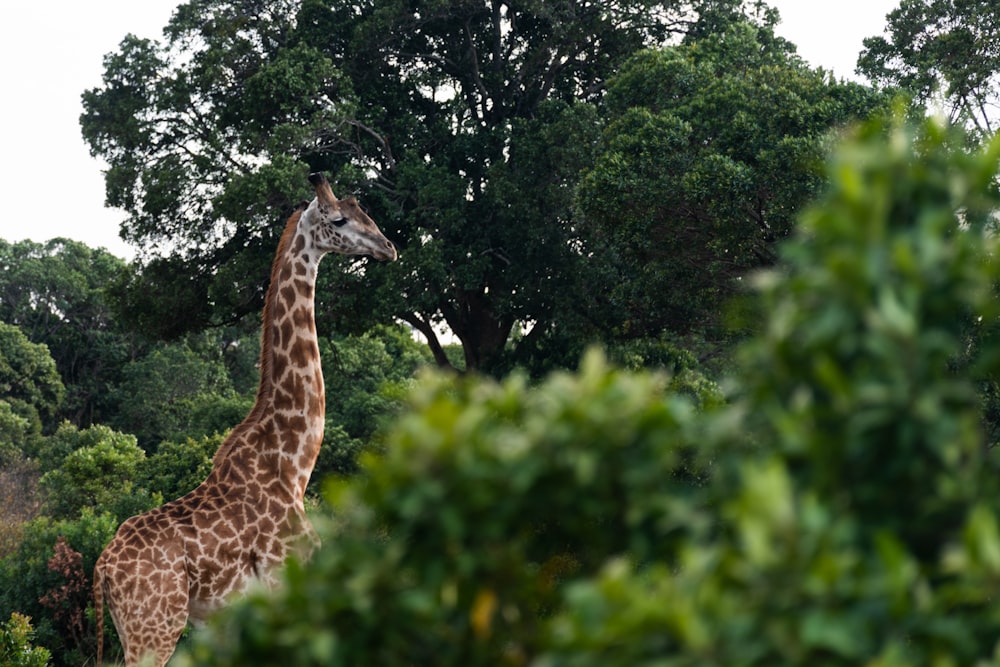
column 323, row 191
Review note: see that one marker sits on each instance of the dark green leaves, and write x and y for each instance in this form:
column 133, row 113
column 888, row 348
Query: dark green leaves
column 444, row 116
column 710, row 150
column 941, row 48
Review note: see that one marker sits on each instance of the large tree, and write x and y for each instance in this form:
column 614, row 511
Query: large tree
column 942, row 51
column 711, row 148
column 29, row 383
column 434, row 111
column 55, row 293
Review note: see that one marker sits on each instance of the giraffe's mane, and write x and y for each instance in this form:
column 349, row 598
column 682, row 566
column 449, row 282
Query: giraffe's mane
column 266, row 385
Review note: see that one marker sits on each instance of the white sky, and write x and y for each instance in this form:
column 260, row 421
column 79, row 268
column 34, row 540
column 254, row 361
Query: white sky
column 50, row 52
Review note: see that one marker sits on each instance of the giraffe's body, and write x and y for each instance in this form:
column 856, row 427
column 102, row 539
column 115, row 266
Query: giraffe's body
column 185, row 559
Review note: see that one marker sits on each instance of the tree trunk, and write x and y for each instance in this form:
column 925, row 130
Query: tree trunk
column 440, row 358
column 483, row 333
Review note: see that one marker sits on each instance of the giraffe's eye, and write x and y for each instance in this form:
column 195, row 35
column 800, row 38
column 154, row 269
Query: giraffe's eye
column 339, row 222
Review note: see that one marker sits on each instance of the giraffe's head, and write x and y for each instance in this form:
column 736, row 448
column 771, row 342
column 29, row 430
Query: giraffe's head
column 340, row 226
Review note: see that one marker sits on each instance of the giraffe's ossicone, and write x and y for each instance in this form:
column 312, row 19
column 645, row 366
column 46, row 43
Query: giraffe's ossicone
column 185, row 559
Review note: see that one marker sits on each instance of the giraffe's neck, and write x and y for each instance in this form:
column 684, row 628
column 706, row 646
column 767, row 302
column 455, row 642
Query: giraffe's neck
column 290, row 407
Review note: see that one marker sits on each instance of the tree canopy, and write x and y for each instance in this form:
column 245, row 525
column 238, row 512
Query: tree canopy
column 711, row 149
column 100, row 470
column 818, row 488
column 463, row 125
column 56, row 294
column 30, row 386
column 943, row 51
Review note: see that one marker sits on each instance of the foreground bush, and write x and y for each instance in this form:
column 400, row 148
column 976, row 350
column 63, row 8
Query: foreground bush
column 452, row 546
column 858, row 522
column 840, row 509
column 16, row 650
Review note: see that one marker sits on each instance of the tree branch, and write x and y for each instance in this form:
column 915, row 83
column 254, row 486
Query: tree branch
column 433, row 343
column 476, row 75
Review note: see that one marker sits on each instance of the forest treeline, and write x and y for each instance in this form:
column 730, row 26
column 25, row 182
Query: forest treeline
column 723, row 390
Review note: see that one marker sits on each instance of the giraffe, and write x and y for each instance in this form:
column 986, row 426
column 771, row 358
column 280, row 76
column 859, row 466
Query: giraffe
column 183, row 560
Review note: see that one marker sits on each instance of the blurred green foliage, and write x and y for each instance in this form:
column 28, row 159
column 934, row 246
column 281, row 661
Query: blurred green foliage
column 486, row 496
column 16, row 635
column 879, row 330
column 825, row 496
column 839, row 508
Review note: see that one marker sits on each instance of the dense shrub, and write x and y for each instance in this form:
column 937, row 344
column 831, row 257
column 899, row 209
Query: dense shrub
column 452, row 545
column 20, row 501
column 16, row 650
column 159, row 393
column 29, row 575
column 178, row 467
column 99, row 473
